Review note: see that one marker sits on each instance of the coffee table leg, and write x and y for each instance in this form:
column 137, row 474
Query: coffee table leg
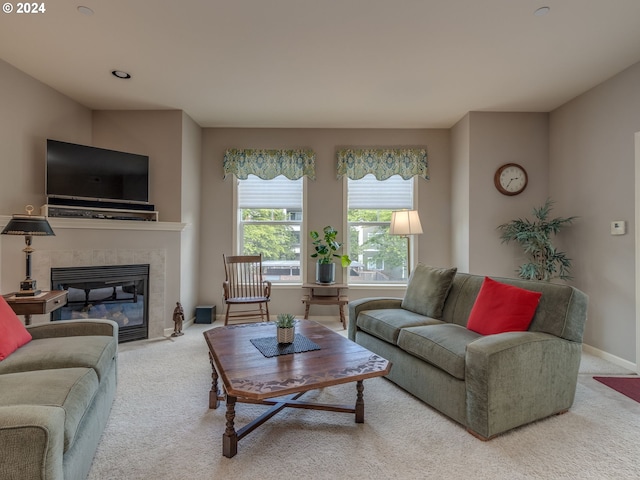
column 230, row 437
column 214, row 394
column 360, row 402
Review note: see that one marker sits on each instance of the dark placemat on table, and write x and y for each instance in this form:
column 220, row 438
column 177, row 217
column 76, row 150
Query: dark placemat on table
column 270, row 347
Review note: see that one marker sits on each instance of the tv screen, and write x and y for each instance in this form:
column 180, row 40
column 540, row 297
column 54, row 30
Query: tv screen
column 83, row 172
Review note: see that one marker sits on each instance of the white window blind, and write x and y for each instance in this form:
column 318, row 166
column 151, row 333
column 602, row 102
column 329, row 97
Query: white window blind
column 394, row 193
column 279, row 192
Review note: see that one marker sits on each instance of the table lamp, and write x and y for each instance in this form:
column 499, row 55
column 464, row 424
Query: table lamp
column 28, row 225
column 406, row 223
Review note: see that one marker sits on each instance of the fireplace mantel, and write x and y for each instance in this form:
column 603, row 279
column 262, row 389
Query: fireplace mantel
column 104, row 224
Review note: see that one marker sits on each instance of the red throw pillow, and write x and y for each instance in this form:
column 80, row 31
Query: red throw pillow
column 502, row 308
column 13, row 335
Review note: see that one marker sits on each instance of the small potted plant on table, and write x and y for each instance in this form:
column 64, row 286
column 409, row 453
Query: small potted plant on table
column 285, row 328
column 326, row 248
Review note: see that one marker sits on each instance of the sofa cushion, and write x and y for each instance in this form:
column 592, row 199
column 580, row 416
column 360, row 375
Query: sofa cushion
column 13, row 334
column 71, row 389
column 502, row 308
column 441, row 345
column 97, row 352
column 427, row 290
column 386, row 323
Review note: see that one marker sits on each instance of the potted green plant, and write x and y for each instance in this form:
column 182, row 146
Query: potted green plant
column 545, row 262
column 326, row 249
column 285, row 327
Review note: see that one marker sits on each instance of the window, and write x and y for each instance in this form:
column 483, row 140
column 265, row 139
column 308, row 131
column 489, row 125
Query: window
column 270, row 223
column 378, row 257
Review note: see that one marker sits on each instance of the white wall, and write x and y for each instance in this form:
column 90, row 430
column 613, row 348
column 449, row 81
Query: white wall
column 31, row 112
column 496, row 139
column 482, row 142
column 190, row 214
column 325, row 200
column 156, row 133
column 460, row 202
column 592, row 175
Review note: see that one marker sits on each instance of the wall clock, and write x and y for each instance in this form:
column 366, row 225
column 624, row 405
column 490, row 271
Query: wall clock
column 510, row 179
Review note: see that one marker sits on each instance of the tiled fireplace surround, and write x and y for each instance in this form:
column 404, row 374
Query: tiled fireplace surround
column 44, row 260
column 89, row 242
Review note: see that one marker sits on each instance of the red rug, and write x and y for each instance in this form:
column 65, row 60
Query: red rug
column 629, row 386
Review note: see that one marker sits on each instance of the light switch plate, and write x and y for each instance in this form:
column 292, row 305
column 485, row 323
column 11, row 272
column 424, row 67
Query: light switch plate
column 618, row 227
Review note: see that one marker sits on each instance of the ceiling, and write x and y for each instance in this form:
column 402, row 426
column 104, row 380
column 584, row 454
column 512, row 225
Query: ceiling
column 324, row 63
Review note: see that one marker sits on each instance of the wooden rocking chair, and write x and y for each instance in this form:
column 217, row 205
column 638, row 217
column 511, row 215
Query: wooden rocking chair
column 244, row 285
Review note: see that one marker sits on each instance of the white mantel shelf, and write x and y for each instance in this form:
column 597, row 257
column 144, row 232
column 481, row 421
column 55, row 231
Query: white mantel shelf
column 105, row 224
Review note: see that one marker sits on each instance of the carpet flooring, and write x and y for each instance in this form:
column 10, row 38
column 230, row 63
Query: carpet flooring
column 629, row 386
column 161, row 428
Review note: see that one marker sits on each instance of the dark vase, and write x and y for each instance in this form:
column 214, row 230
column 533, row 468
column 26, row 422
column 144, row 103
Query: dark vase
column 326, row 273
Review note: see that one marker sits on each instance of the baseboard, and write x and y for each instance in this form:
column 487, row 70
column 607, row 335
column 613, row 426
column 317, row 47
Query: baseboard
column 330, row 321
column 621, row 362
column 320, row 318
column 185, row 324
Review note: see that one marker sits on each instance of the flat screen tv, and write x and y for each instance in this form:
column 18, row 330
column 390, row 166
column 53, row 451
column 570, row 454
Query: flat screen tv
column 91, row 173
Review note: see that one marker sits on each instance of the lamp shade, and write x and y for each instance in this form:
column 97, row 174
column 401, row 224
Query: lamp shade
column 405, row 222
column 28, row 225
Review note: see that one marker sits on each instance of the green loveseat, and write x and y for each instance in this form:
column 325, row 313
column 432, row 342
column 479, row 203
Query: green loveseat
column 488, row 383
column 56, row 394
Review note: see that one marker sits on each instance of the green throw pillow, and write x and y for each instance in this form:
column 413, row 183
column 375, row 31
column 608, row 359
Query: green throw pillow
column 428, row 289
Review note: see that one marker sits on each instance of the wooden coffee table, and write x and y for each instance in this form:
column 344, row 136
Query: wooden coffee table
column 250, row 377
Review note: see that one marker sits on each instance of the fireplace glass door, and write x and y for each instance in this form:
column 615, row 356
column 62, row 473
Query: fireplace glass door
column 114, row 292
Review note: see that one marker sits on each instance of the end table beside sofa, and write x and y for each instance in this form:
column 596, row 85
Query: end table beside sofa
column 488, row 383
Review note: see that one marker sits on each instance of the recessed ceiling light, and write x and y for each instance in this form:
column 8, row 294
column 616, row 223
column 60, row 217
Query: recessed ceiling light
column 542, row 11
column 85, row 10
column 120, row 74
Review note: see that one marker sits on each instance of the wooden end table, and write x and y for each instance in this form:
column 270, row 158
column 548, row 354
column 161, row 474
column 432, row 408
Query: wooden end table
column 250, row 377
column 330, row 294
column 45, row 302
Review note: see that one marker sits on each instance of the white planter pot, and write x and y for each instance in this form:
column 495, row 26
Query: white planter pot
column 285, row 335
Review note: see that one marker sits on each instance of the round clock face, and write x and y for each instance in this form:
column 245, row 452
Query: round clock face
column 510, row 179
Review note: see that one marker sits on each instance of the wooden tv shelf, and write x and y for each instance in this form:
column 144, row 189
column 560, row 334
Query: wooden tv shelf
column 64, row 211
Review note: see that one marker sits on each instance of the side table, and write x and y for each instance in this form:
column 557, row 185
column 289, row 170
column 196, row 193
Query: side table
column 320, row 294
column 41, row 304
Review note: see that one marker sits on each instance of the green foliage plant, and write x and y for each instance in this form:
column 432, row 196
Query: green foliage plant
column 326, row 247
column 391, row 250
column 545, row 262
column 274, row 242
column 285, row 320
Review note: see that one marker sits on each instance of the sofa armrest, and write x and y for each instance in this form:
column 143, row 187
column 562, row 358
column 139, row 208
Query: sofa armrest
column 371, row 303
column 31, row 442
column 516, row 378
column 71, row 328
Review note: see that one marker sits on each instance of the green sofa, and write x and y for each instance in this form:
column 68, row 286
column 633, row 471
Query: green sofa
column 56, row 394
column 488, row 383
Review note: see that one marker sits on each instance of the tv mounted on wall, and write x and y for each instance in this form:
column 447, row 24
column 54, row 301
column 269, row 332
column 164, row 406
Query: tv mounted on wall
column 80, row 172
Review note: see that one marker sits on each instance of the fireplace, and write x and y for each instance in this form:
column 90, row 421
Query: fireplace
column 114, row 292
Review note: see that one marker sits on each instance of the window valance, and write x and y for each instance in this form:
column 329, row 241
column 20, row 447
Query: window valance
column 383, row 163
column 268, row 164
